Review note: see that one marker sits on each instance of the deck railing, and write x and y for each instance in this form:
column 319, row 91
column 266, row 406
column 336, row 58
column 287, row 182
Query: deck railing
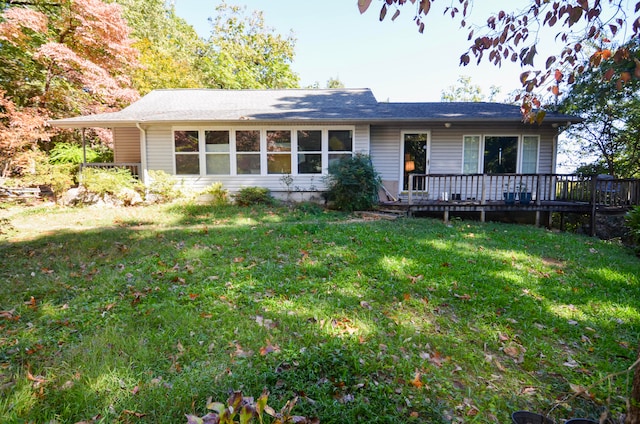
column 523, row 188
column 133, row 167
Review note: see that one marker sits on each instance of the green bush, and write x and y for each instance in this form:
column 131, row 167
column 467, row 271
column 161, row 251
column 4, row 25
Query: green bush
column 248, row 196
column 219, row 194
column 60, row 177
column 163, row 186
column 73, row 153
column 632, row 219
column 108, row 181
column 353, row 183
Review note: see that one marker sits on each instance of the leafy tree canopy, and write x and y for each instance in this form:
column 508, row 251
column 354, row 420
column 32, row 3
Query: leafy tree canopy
column 611, row 118
column 243, row 52
column 466, row 91
column 170, row 49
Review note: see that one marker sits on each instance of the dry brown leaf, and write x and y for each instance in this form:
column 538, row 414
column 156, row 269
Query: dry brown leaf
column 417, row 382
column 269, row 348
column 580, row 391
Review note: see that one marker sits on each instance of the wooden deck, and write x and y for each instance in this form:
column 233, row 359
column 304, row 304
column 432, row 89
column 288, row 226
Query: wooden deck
column 540, row 194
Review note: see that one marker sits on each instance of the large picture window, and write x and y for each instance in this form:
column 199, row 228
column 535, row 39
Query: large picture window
column 500, row 154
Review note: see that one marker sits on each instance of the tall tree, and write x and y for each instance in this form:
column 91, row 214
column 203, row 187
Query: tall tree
column 611, row 115
column 512, row 34
column 466, row 91
column 244, row 53
column 170, row 49
column 60, row 58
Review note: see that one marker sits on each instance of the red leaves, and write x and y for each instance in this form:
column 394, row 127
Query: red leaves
column 425, row 6
column 363, row 5
column 383, row 12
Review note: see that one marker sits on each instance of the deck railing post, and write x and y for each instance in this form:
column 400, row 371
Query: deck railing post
column 594, row 208
column 483, row 199
column 410, row 197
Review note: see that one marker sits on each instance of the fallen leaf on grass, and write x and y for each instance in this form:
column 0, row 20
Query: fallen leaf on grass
column 437, row 359
column 31, row 303
column 581, row 391
column 417, row 382
column 37, row 380
column 415, row 279
column 266, row 323
column 462, row 296
column 9, row 315
column 269, row 348
column 515, row 351
column 365, row 305
column 135, row 414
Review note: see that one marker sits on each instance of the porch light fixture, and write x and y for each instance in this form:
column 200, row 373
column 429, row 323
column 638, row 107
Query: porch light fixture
column 447, row 124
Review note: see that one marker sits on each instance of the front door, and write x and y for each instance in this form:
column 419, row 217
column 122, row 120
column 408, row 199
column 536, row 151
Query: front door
column 416, row 160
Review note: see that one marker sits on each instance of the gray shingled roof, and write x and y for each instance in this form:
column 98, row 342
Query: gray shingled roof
column 342, row 105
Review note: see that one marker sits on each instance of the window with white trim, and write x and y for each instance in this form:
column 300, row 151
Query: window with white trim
column 248, row 151
column 309, row 147
column 529, row 159
column 500, row 154
column 187, row 147
column 471, row 154
column 217, row 152
column 261, row 151
column 340, row 145
column 278, row 152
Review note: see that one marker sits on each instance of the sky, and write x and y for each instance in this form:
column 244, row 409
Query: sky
column 391, row 58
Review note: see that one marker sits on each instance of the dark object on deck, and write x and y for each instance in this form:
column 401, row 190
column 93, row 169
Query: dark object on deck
column 526, row 417
column 581, row 421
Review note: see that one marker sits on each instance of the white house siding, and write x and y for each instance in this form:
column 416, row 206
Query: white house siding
column 160, row 157
column 385, row 151
column 126, row 145
column 361, row 139
column 446, row 152
column 159, row 149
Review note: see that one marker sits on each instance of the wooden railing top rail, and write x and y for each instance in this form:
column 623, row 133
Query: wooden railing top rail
column 483, row 188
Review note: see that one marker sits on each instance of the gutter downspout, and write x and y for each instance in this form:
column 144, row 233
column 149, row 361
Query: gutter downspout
column 143, row 153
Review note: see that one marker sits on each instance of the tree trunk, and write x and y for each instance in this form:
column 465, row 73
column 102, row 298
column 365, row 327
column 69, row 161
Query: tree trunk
column 633, row 411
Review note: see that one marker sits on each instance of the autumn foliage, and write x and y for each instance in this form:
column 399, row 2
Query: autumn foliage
column 62, row 60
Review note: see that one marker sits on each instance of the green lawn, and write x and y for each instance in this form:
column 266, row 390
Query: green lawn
column 139, row 315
